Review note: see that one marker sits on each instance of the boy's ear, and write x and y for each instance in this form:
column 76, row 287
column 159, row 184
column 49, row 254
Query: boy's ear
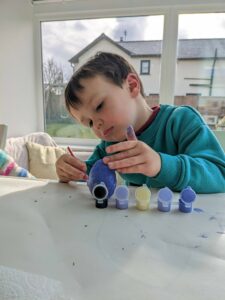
column 133, row 84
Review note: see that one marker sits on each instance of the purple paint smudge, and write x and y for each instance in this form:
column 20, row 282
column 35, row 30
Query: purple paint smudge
column 198, row 210
column 204, row 236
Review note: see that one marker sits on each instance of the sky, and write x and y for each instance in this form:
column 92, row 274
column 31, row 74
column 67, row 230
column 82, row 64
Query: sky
column 61, row 40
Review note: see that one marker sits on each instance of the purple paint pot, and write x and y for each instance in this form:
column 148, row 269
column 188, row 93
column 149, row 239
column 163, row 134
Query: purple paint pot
column 187, row 197
column 101, row 183
column 165, row 197
column 122, row 196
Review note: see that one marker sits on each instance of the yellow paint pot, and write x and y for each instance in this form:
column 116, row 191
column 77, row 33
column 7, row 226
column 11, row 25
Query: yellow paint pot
column 142, row 195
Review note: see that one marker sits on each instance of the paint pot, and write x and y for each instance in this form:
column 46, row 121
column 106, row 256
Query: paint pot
column 142, row 195
column 101, row 203
column 122, row 196
column 187, row 197
column 101, row 183
column 165, row 197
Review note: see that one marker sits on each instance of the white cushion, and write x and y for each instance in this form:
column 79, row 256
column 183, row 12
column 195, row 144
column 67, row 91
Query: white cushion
column 42, row 160
column 16, row 147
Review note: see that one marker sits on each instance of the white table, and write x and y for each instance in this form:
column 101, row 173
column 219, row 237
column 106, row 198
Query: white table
column 54, row 229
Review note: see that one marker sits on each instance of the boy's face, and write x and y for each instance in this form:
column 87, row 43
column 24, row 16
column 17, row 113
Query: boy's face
column 105, row 107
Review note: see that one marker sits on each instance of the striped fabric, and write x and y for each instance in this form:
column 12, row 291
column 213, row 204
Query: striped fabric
column 8, row 167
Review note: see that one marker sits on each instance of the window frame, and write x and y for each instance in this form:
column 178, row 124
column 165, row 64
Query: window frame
column 142, row 61
column 71, row 10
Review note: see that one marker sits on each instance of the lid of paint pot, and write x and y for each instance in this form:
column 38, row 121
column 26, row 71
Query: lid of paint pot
column 188, row 195
column 165, row 194
column 121, row 192
column 142, row 193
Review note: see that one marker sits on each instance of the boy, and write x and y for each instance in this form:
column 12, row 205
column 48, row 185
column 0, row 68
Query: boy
column 174, row 146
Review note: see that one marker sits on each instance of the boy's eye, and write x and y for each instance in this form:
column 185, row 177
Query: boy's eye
column 99, row 106
column 90, row 123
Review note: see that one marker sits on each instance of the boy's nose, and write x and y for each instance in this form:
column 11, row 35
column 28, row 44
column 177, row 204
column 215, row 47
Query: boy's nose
column 99, row 124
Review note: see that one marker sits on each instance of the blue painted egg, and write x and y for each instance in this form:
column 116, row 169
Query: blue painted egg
column 102, row 180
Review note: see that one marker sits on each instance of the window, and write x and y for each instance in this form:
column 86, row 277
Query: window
column 174, row 79
column 145, row 67
column 201, row 65
column 63, row 54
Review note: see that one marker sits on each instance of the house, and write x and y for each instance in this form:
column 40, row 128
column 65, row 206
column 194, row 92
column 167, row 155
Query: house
column 196, row 72
column 200, row 65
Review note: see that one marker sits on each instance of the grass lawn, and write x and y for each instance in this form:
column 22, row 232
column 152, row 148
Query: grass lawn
column 69, row 131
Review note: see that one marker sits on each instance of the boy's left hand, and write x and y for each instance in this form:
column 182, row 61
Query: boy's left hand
column 133, row 157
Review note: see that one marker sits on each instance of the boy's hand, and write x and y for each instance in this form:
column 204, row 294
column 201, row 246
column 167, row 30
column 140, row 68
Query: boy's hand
column 70, row 168
column 133, row 157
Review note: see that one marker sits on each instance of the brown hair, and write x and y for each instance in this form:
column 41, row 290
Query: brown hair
column 112, row 66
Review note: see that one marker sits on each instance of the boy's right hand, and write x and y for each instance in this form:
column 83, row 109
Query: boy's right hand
column 70, row 168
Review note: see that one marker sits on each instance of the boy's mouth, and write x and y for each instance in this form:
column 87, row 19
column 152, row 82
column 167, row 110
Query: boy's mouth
column 107, row 131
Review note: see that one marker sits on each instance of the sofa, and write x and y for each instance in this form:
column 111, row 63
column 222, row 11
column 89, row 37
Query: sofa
column 37, row 152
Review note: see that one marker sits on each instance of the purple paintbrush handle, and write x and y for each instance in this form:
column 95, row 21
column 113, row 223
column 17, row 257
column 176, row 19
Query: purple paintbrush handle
column 130, row 134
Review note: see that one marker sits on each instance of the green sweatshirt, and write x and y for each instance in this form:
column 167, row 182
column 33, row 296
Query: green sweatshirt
column 190, row 153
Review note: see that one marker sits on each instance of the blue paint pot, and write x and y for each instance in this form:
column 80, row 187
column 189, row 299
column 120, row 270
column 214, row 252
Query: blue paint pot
column 122, row 196
column 101, row 181
column 165, row 197
column 187, row 197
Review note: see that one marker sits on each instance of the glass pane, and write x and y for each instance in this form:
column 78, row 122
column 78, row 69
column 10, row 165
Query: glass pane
column 200, row 79
column 145, row 67
column 66, row 45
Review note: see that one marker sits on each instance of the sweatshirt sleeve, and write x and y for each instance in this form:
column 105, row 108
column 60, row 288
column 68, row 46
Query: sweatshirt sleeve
column 201, row 162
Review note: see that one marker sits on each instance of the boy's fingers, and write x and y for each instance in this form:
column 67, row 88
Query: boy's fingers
column 70, row 168
column 120, row 156
column 63, row 179
column 75, row 162
column 127, row 162
column 121, row 146
column 134, row 169
column 72, row 174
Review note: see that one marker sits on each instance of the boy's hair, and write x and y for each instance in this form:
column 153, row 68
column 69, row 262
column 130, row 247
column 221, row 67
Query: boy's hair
column 112, row 66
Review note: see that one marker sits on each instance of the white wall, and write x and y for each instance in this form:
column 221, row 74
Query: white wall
column 103, row 45
column 17, row 81
column 199, row 69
